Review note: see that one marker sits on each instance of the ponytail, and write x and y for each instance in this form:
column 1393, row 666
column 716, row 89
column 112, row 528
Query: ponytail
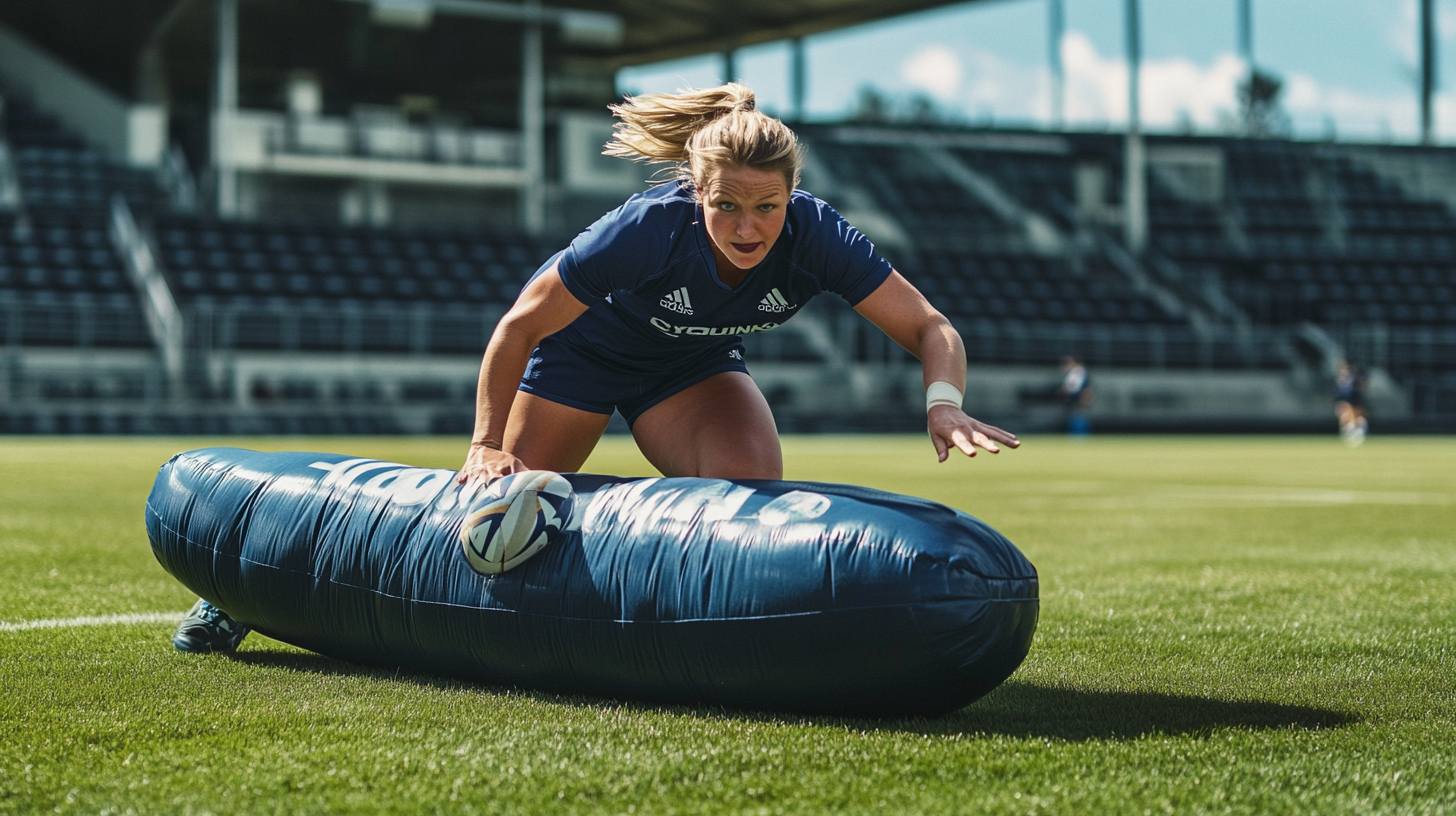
column 704, row 131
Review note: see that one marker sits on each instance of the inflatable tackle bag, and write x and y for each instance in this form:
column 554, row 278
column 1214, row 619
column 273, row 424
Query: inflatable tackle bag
column 792, row 596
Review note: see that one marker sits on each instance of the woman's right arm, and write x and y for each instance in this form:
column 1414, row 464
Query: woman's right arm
column 543, row 308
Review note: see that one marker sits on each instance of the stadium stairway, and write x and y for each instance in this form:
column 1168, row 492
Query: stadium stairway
column 1344, row 239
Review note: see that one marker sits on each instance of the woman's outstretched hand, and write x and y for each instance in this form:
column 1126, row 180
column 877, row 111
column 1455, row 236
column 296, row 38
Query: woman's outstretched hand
column 484, row 464
column 950, row 428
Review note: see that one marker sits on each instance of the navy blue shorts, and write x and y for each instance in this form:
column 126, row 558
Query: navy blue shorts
column 582, row 378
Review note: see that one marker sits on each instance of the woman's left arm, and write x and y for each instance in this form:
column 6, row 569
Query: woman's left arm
column 900, row 311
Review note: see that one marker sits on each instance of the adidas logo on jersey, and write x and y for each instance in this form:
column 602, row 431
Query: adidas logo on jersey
column 678, row 301
column 774, row 301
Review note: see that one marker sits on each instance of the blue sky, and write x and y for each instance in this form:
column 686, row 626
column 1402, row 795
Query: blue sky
column 1350, row 66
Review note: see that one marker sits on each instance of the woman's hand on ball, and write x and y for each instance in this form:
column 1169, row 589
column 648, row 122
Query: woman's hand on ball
column 484, row 464
column 950, row 428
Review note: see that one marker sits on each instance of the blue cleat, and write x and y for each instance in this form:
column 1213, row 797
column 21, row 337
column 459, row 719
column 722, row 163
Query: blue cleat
column 208, row 629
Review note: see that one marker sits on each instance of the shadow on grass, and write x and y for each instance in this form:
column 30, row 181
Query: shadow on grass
column 1014, row 709
column 1027, row 710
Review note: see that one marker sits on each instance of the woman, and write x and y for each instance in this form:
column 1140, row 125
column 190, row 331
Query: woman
column 1350, row 403
column 642, row 312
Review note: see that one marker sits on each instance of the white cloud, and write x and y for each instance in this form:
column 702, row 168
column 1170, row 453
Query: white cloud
column 1178, row 90
column 1095, row 86
column 1359, row 115
column 934, row 69
column 1172, row 90
column 1006, row 89
column 1403, row 32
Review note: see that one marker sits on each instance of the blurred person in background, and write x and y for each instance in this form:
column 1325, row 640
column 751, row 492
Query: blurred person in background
column 1077, row 396
column 1350, row 402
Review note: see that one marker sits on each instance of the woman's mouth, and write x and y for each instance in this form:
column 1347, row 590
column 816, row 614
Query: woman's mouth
column 748, row 249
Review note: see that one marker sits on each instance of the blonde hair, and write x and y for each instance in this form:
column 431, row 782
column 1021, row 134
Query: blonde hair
column 704, row 131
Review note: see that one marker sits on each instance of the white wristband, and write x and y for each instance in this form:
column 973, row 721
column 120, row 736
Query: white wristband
column 942, row 393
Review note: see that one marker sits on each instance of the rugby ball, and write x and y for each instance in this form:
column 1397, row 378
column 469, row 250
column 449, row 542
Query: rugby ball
column 513, row 517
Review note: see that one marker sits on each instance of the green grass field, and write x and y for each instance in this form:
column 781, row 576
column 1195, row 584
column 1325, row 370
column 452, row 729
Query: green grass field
column 1228, row 625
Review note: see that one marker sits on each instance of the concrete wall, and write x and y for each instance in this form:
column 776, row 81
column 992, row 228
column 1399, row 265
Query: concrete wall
column 126, row 133
column 1024, row 398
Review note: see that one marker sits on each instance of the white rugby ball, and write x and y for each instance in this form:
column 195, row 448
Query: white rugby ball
column 514, row 517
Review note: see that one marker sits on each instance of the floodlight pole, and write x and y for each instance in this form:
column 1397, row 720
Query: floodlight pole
column 225, row 106
column 1246, row 33
column 1056, row 29
column 798, row 77
column 1428, row 71
column 533, row 124
column 1246, row 53
column 1135, row 188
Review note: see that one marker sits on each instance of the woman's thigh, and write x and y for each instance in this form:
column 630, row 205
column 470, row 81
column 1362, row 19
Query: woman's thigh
column 719, row 428
column 547, row 435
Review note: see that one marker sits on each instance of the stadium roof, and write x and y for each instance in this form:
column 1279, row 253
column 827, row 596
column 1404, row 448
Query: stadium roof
column 663, row 29
column 104, row 38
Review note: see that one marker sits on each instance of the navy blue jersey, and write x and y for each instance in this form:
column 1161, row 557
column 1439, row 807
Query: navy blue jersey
column 647, row 273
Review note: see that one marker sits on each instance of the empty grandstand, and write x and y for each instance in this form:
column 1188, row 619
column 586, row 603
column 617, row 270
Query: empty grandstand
column 258, row 256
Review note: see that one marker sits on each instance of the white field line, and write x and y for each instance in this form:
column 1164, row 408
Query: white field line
column 1174, row 496
column 1303, row 495
column 98, row 620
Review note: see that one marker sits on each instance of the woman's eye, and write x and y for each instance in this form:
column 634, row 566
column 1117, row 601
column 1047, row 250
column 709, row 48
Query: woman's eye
column 726, row 205
column 765, row 208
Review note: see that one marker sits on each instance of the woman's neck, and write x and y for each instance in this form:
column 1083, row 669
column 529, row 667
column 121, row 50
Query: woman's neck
column 729, row 274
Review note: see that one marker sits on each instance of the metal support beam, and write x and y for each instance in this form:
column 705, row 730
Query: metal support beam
column 225, row 106
column 1246, row 33
column 1428, row 71
column 1134, row 189
column 151, row 75
column 528, row 12
column 798, row 78
column 1056, row 29
column 533, row 124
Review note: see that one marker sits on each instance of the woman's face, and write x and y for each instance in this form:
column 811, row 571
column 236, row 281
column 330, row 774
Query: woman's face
column 744, row 212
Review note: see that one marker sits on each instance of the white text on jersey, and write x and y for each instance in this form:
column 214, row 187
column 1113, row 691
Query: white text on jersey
column 708, row 331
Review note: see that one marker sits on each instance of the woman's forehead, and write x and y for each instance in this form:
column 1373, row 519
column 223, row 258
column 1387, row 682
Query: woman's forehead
column 746, row 182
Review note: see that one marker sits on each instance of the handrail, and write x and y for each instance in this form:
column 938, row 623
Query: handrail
column 164, row 319
column 1041, row 234
column 1330, row 350
column 177, row 180
column 10, row 198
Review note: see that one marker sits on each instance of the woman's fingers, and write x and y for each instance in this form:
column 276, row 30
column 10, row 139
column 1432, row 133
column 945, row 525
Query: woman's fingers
column 966, row 435
column 1006, row 438
column 487, row 468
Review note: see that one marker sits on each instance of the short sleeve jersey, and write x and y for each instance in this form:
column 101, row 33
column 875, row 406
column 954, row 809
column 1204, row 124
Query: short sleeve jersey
column 647, row 273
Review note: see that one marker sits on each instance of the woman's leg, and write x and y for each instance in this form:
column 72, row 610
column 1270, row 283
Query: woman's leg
column 547, row 435
column 719, row 428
